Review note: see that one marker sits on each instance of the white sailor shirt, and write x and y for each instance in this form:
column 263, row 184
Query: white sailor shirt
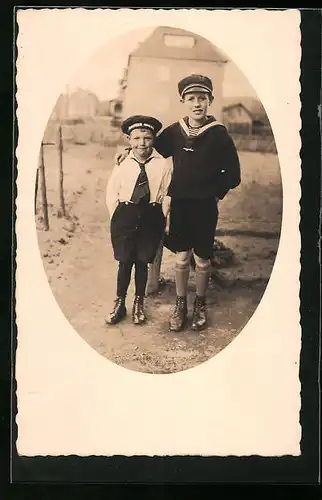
column 124, row 176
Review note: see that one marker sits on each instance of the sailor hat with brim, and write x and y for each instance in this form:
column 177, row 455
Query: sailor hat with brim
column 195, row 83
column 141, row 121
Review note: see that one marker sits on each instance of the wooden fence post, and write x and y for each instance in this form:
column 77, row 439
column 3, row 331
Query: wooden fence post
column 61, row 172
column 43, row 188
column 154, row 272
column 36, row 189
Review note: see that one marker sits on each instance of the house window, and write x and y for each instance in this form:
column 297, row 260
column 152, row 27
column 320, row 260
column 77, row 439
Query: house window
column 163, row 73
column 181, row 41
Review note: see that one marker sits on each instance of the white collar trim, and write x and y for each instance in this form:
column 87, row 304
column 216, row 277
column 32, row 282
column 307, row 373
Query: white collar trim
column 201, row 129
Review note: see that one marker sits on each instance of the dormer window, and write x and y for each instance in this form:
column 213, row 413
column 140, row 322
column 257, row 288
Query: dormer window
column 180, row 41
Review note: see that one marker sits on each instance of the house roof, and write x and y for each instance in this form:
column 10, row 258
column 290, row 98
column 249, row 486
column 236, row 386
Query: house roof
column 81, row 92
column 252, row 105
column 154, row 46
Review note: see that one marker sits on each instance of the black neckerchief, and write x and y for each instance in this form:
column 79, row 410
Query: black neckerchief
column 141, row 189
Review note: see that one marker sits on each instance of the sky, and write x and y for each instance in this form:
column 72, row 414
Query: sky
column 101, row 73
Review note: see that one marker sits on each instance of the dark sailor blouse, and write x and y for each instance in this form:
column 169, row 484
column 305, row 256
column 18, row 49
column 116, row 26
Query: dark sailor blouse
column 205, row 164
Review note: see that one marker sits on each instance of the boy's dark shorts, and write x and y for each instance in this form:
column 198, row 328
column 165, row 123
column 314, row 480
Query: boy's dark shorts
column 136, row 231
column 193, row 226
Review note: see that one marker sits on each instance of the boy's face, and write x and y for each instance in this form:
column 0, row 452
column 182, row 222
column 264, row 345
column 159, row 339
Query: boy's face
column 141, row 141
column 196, row 104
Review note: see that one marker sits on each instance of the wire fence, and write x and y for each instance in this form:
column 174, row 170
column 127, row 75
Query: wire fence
column 107, row 133
column 41, row 179
column 263, row 143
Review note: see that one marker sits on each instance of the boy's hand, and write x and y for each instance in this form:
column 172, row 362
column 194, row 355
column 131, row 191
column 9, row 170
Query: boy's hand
column 167, row 224
column 119, row 157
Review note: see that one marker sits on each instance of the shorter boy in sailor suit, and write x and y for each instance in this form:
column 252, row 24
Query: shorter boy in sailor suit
column 138, row 205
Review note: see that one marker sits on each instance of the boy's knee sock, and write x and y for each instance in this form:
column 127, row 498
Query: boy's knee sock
column 141, row 277
column 202, row 278
column 123, row 278
column 182, row 276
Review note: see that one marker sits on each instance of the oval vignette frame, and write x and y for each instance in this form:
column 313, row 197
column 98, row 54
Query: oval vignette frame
column 76, row 250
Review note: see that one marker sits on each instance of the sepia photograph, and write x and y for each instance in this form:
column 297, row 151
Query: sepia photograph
column 164, row 286
column 158, row 244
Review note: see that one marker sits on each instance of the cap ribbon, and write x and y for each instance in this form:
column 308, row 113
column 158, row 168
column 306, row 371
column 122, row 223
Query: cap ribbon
column 196, row 85
column 140, row 125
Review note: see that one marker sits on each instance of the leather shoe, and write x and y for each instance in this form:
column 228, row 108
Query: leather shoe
column 199, row 316
column 179, row 315
column 118, row 312
column 138, row 315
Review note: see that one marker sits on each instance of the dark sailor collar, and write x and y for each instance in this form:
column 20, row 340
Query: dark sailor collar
column 211, row 122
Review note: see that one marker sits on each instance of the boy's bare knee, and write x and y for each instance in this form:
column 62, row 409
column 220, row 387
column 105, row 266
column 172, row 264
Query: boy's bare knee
column 183, row 260
column 202, row 264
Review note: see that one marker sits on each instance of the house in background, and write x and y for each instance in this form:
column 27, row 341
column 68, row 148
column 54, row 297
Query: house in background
column 150, row 82
column 85, row 118
column 111, row 109
column 245, row 115
column 76, row 104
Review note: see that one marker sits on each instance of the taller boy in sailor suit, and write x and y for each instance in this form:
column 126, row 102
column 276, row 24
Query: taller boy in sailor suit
column 138, row 204
column 205, row 167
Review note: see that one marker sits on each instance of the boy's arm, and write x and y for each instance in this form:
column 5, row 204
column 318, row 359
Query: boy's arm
column 113, row 190
column 229, row 164
column 163, row 143
column 121, row 154
column 167, row 199
column 167, row 176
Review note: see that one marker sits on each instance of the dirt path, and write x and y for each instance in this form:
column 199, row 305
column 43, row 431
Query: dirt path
column 81, row 269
